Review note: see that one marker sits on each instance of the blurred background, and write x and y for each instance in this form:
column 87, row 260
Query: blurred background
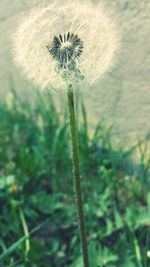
column 122, row 96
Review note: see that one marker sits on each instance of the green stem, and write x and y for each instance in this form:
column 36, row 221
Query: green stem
column 26, row 231
column 137, row 251
column 76, row 174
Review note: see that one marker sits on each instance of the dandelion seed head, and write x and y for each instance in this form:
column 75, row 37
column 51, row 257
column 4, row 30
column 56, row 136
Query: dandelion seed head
column 66, row 49
column 74, row 35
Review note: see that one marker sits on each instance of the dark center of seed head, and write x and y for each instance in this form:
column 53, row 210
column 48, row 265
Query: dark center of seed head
column 66, row 49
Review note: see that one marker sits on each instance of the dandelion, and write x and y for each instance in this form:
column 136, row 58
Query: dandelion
column 59, row 45
column 76, row 34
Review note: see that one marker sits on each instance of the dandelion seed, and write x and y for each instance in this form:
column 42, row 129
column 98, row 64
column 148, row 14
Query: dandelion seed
column 66, row 49
column 78, row 36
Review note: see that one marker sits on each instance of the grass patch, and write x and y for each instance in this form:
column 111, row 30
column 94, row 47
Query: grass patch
column 37, row 212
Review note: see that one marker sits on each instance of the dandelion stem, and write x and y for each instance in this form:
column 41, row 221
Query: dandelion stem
column 76, row 174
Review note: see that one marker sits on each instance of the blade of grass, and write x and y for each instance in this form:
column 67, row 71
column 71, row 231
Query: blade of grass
column 19, row 242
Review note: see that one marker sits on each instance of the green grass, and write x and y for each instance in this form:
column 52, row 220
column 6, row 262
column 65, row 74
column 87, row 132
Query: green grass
column 37, row 212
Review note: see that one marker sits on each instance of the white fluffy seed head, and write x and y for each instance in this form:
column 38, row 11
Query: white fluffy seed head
column 94, row 26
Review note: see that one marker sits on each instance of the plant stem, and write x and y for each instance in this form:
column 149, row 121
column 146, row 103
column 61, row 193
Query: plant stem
column 137, row 251
column 76, row 174
column 26, row 231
